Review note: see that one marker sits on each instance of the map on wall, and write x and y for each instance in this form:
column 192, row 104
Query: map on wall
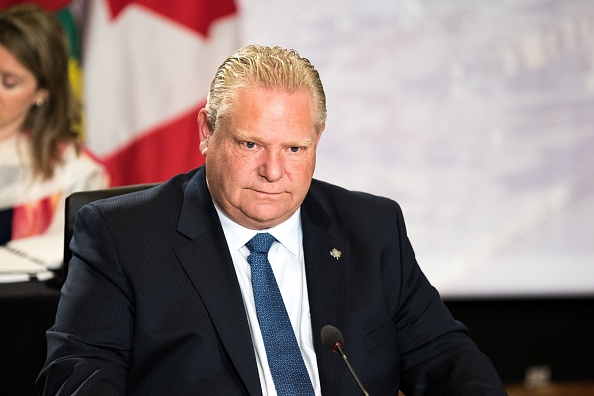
column 478, row 118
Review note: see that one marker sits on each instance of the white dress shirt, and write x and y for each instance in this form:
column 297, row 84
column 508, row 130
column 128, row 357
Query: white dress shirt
column 288, row 265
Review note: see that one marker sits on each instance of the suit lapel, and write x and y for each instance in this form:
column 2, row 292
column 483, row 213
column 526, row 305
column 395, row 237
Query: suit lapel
column 206, row 260
column 327, row 270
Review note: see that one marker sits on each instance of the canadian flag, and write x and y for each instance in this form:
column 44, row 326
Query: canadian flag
column 147, row 67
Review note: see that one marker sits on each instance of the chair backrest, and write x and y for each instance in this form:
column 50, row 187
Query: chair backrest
column 78, row 199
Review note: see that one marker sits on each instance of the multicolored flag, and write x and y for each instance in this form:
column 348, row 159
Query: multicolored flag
column 147, row 68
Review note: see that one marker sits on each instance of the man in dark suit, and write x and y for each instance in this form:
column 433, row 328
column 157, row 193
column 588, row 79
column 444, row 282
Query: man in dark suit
column 159, row 297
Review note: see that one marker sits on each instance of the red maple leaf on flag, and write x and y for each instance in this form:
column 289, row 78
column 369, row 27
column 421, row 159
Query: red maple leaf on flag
column 195, row 15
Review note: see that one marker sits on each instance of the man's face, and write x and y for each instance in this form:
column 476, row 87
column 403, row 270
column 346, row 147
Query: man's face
column 261, row 158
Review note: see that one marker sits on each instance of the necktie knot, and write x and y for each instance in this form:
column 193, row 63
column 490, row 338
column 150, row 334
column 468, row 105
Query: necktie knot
column 260, row 243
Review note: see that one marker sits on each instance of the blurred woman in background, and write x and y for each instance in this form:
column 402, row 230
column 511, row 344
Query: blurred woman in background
column 41, row 156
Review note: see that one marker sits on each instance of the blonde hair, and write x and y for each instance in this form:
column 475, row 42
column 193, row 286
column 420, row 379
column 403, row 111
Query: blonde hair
column 36, row 38
column 266, row 67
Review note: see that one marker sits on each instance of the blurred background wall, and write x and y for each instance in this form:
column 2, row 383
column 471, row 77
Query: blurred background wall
column 478, row 118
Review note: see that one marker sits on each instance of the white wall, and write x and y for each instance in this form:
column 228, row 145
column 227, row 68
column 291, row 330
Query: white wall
column 477, row 117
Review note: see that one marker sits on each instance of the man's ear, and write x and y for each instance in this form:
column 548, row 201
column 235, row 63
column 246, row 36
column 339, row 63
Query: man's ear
column 204, row 131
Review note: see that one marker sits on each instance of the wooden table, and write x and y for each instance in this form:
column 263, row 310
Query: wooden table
column 552, row 389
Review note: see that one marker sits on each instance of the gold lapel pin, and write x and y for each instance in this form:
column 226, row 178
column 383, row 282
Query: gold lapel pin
column 335, row 253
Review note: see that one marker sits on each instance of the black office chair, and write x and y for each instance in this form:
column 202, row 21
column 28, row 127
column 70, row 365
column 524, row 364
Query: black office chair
column 77, row 200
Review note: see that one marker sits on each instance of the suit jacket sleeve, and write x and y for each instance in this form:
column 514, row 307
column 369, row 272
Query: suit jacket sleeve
column 437, row 355
column 89, row 346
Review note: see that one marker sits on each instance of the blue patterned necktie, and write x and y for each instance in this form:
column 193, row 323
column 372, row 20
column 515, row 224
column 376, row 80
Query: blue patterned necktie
column 282, row 351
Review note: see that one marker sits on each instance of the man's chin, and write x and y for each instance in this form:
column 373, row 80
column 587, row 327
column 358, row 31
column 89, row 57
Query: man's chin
column 266, row 219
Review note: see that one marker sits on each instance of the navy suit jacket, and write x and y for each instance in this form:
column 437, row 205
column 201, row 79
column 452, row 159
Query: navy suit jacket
column 152, row 305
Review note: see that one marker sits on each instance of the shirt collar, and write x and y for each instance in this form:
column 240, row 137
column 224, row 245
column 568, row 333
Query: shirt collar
column 288, row 233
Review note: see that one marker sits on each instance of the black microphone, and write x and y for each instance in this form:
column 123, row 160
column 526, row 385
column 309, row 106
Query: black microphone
column 333, row 339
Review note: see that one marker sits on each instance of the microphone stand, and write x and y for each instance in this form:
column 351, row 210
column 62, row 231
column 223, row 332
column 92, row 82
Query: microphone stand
column 338, row 347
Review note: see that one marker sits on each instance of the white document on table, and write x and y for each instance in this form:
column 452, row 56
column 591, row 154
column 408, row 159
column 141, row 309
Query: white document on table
column 33, row 257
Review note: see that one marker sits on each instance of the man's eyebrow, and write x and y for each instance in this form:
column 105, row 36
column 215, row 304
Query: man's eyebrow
column 248, row 137
column 301, row 143
column 241, row 135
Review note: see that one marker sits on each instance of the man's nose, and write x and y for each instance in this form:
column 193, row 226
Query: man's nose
column 272, row 166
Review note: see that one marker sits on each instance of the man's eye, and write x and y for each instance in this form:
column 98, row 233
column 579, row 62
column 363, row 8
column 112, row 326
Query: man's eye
column 250, row 144
column 295, row 149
